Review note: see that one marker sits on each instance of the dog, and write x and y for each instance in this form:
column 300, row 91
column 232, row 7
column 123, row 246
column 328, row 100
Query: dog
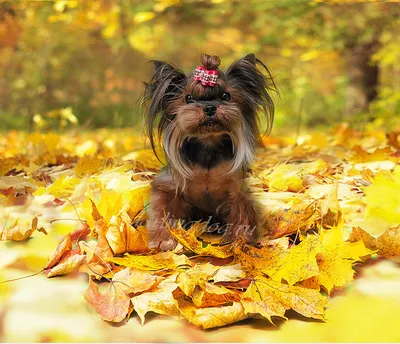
column 208, row 125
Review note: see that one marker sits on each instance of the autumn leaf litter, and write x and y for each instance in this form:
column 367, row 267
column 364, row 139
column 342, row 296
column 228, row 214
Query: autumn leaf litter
column 329, row 202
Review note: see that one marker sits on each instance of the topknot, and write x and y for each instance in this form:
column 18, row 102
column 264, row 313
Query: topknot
column 210, row 62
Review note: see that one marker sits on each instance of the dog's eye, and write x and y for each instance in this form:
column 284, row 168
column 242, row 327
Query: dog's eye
column 189, row 99
column 226, row 96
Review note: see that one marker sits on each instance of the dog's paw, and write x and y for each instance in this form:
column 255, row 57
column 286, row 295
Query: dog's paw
column 164, row 243
column 250, row 235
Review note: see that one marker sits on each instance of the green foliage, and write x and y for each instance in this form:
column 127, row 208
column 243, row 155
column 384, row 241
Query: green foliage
column 92, row 56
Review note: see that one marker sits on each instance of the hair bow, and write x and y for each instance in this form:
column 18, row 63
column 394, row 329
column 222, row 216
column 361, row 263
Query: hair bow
column 208, row 77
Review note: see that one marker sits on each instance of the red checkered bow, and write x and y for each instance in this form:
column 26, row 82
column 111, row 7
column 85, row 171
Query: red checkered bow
column 208, row 77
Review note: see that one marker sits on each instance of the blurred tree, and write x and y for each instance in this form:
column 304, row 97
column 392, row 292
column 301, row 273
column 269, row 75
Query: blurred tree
column 91, row 55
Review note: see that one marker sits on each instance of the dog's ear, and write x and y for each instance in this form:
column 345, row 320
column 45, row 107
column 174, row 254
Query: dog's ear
column 165, row 85
column 253, row 79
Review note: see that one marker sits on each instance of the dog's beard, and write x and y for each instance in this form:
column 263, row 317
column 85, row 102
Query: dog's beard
column 189, row 123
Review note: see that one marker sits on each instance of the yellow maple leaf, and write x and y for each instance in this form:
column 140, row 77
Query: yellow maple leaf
column 88, row 165
column 188, row 239
column 71, row 264
column 196, row 276
column 387, row 245
column 160, row 300
column 382, row 198
column 208, row 317
column 17, row 232
column 288, row 177
column 269, row 298
column 134, row 281
column 110, row 204
column 296, row 265
column 211, row 295
column 63, row 186
column 122, row 237
column 337, row 258
column 155, row 262
column 229, row 273
column 293, row 265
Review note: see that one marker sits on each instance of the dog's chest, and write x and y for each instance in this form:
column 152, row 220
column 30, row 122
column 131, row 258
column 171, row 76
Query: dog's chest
column 205, row 155
column 210, row 187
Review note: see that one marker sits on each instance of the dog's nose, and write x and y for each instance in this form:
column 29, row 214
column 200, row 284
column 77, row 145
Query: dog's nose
column 209, row 110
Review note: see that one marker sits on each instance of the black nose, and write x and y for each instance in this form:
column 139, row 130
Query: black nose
column 209, row 110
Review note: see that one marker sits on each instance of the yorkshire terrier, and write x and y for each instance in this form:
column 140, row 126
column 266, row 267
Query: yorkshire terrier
column 208, row 124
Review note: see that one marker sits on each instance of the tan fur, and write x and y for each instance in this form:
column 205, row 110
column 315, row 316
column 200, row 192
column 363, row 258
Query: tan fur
column 191, row 188
column 214, row 190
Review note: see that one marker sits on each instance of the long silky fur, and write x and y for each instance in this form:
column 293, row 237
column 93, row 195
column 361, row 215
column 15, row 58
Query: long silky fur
column 244, row 75
column 168, row 84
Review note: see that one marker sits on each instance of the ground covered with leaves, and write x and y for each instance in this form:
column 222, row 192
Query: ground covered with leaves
column 75, row 204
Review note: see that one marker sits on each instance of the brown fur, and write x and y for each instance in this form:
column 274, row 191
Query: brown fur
column 194, row 185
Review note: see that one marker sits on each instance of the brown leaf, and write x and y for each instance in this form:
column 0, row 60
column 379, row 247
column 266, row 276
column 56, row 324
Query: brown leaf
column 135, row 281
column 159, row 301
column 102, row 250
column 112, row 305
column 211, row 295
column 71, row 264
column 209, row 317
column 122, row 237
column 61, row 249
column 387, row 245
column 19, row 233
column 189, row 240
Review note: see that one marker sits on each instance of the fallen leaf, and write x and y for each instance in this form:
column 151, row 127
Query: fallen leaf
column 211, row 295
column 269, row 298
column 134, row 281
column 112, row 305
column 209, row 317
column 189, row 240
column 70, row 265
column 19, row 233
column 297, row 264
column 61, row 249
column 160, row 301
column 122, row 237
column 155, row 262
column 387, row 245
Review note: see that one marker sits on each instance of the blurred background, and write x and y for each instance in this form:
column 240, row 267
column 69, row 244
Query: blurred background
column 66, row 63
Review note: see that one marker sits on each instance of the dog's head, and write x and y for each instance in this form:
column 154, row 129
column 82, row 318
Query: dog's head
column 208, row 104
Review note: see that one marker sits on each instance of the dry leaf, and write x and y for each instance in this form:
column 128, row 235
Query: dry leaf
column 210, row 295
column 158, row 301
column 122, row 237
column 155, row 262
column 211, row 316
column 63, row 247
column 71, row 264
column 387, row 245
column 113, row 305
column 19, row 233
column 269, row 298
column 189, row 240
column 134, row 281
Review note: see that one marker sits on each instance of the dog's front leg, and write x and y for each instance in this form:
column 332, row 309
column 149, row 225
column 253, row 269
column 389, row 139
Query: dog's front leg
column 165, row 207
column 241, row 220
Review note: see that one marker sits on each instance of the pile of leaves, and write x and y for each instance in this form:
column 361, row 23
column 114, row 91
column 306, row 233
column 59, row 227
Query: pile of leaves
column 328, row 202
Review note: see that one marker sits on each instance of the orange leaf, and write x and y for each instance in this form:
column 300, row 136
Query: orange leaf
column 112, row 305
column 62, row 248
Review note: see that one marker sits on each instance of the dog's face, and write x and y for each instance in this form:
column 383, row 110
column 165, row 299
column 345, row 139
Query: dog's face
column 190, row 110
